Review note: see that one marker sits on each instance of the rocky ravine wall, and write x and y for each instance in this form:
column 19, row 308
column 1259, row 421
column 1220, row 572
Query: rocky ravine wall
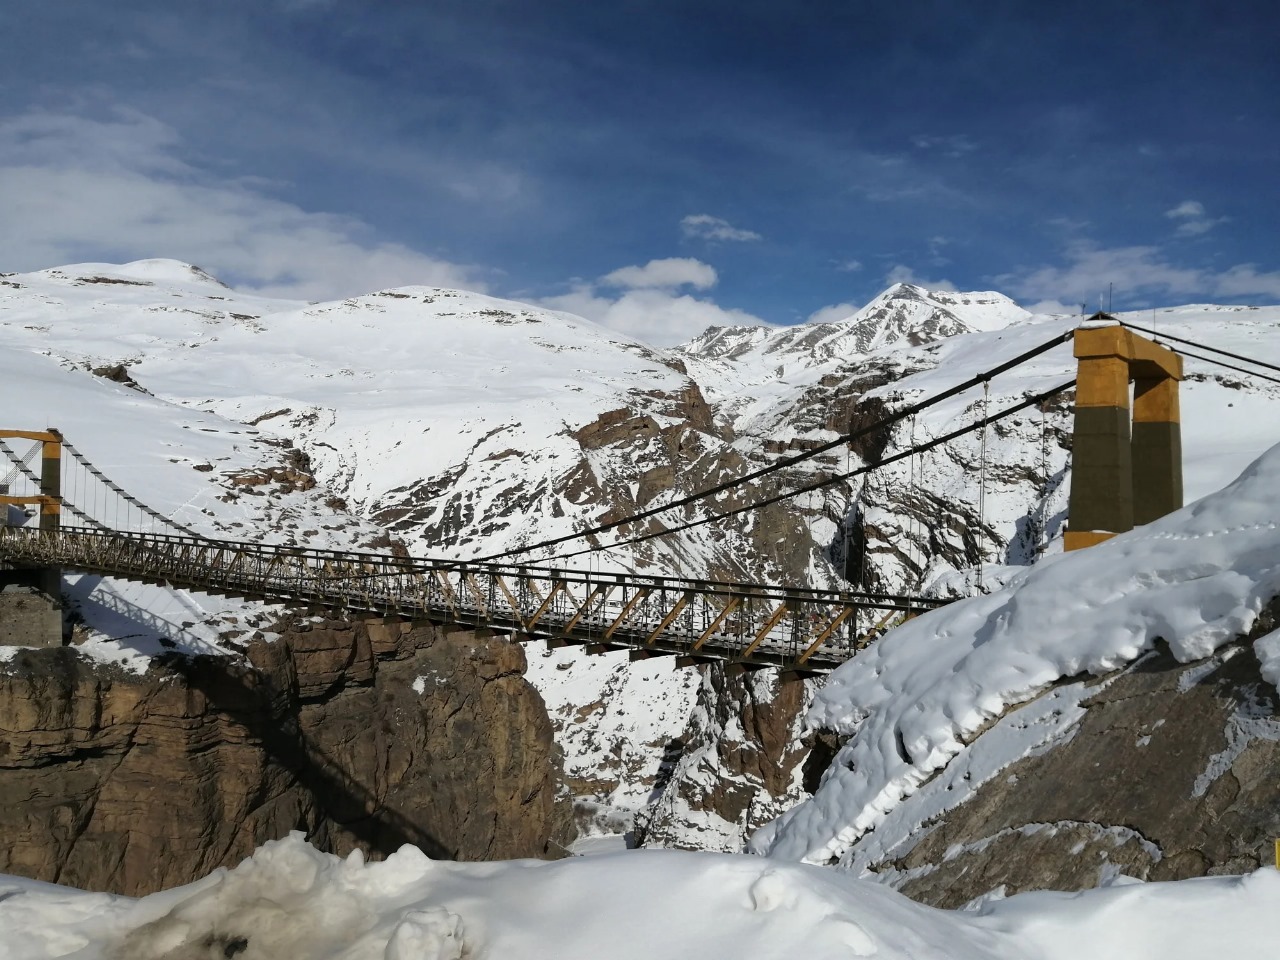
column 1173, row 772
column 740, row 762
column 364, row 735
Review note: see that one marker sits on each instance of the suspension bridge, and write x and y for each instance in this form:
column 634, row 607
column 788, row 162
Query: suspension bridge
column 1126, row 470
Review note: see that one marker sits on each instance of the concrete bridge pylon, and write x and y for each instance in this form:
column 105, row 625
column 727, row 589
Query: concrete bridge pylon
column 1126, row 464
column 31, row 597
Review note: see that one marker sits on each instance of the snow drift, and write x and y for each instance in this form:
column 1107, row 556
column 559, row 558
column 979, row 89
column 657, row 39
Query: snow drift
column 290, row 902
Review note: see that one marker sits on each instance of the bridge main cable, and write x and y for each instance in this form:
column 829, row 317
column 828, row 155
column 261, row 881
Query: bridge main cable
column 22, row 467
column 786, row 462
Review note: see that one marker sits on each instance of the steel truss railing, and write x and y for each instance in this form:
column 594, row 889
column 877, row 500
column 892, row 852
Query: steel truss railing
column 802, row 629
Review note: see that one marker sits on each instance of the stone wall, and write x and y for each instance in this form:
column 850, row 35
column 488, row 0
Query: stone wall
column 363, row 735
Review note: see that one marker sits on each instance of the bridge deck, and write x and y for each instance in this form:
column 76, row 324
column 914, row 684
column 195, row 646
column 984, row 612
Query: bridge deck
column 802, row 629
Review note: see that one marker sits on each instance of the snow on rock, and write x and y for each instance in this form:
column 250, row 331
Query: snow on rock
column 289, row 900
column 737, row 764
column 616, row 722
column 1196, row 579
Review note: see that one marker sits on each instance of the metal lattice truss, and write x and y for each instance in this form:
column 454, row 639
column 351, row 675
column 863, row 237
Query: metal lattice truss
column 809, row 630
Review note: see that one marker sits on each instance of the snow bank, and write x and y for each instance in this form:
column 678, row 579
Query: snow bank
column 1196, row 579
column 290, row 901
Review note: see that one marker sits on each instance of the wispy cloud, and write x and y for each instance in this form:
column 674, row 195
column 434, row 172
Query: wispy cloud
column 118, row 186
column 650, row 306
column 706, row 227
column 1137, row 271
column 1192, row 219
column 901, row 273
column 832, row 313
column 849, row 266
column 665, row 274
column 953, row 145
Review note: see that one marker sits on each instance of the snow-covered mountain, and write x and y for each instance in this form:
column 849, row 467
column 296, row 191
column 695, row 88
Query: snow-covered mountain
column 464, row 425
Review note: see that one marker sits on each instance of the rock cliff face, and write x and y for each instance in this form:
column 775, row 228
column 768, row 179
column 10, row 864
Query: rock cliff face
column 364, row 735
column 1171, row 773
column 739, row 763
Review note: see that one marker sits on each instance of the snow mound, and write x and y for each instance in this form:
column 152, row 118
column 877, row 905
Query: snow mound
column 290, row 901
column 1196, row 579
column 157, row 272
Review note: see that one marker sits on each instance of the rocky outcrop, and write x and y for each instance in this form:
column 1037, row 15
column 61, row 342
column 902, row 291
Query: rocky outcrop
column 1171, row 773
column 738, row 765
column 365, row 735
column 28, row 616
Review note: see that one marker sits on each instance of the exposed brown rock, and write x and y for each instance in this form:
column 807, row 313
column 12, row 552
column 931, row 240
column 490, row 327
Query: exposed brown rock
column 111, row 781
column 1172, row 773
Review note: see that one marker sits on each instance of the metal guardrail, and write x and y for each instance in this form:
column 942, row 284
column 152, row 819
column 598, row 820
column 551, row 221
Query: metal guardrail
column 802, row 629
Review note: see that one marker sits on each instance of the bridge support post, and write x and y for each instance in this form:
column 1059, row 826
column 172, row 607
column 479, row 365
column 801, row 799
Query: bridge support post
column 1121, row 476
column 1157, row 448
column 51, row 506
column 31, row 598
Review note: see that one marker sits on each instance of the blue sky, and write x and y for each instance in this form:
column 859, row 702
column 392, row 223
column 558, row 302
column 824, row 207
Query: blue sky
column 657, row 166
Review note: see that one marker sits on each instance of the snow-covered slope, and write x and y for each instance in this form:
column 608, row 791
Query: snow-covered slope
column 462, row 423
column 200, row 469
column 1195, row 579
column 740, row 363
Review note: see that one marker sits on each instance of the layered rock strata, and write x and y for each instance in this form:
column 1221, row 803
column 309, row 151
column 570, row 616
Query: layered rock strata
column 364, row 735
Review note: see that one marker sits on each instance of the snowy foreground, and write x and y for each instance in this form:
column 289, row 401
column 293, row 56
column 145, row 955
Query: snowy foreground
column 290, row 901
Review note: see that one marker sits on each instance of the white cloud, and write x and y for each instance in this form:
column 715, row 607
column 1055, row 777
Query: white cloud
column 1187, row 208
column 832, row 313
column 666, row 274
column 901, row 273
column 116, row 188
column 1134, row 271
column 1054, row 307
column 1244, row 280
column 706, row 227
column 1088, row 271
column 849, row 266
column 649, row 308
column 955, row 145
column 1193, row 220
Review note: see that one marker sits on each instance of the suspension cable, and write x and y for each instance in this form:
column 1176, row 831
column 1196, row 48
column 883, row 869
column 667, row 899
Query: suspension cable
column 20, row 467
column 982, row 483
column 124, row 494
column 1230, row 366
